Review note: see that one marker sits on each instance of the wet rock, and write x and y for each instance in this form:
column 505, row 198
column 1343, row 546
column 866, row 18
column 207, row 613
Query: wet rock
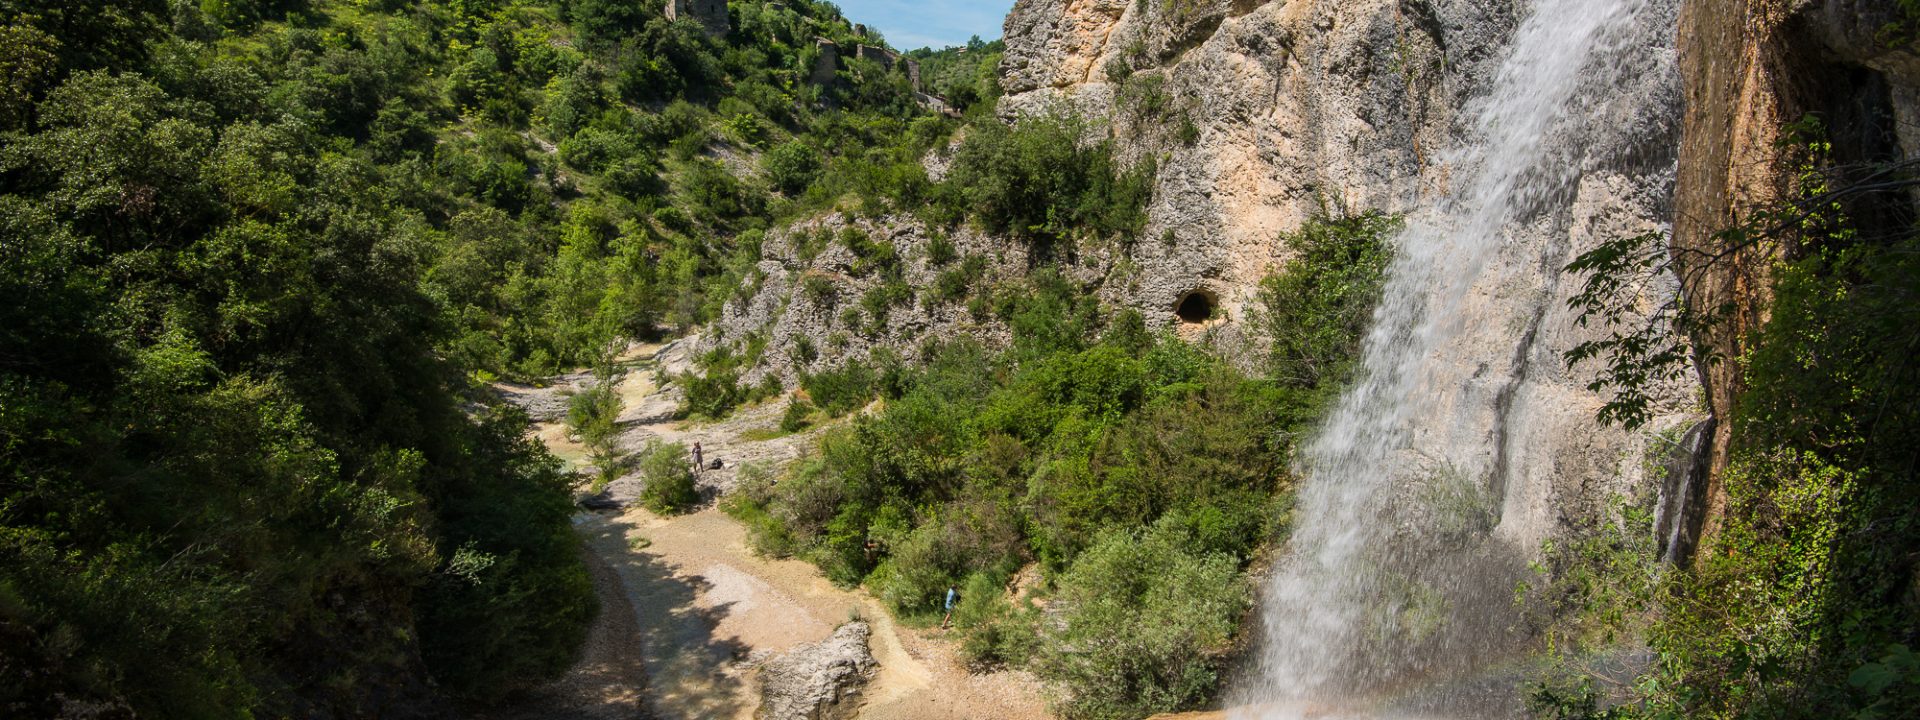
column 819, row 681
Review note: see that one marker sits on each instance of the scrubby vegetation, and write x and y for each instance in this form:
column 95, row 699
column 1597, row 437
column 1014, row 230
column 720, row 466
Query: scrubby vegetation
column 593, row 419
column 1044, row 181
column 1137, row 475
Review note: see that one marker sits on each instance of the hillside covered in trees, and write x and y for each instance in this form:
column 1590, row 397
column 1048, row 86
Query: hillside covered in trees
column 258, row 255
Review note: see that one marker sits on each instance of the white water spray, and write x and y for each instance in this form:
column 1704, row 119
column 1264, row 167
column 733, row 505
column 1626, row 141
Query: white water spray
column 1397, row 591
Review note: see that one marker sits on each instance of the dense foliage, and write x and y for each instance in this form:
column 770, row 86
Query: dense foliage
column 1137, row 475
column 666, row 476
column 1317, row 308
column 256, row 252
column 593, row 416
column 1041, row 180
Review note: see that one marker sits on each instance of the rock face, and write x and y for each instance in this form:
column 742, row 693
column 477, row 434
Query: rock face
column 819, row 681
column 1263, row 114
column 811, row 306
column 1752, row 67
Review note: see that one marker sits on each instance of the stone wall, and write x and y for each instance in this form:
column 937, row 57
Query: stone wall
column 710, row 13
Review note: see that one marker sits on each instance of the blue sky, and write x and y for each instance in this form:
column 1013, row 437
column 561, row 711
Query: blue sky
column 912, row 24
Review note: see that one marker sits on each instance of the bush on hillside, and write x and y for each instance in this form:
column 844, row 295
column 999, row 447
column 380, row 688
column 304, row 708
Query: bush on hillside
column 1041, row 180
column 1317, row 308
column 791, row 167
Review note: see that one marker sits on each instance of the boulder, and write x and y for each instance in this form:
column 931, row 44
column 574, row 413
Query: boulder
column 818, row 681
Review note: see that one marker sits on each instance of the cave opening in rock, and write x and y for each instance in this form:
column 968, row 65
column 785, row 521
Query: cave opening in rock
column 1196, row 307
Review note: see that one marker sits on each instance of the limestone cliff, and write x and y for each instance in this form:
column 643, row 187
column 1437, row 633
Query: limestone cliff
column 1262, row 114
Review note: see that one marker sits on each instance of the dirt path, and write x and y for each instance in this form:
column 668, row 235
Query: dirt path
column 690, row 612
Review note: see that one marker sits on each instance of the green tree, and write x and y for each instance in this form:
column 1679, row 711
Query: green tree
column 1318, row 307
column 666, row 474
column 791, row 167
column 593, row 417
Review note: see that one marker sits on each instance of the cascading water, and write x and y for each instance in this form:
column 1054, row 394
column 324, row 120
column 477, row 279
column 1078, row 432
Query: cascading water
column 1396, row 595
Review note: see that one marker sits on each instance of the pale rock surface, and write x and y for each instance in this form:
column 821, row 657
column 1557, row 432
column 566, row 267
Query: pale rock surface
column 818, row 681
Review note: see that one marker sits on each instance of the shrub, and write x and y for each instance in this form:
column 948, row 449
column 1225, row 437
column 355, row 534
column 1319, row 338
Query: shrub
column 666, row 476
column 791, row 167
column 954, row 283
column 593, row 149
column 591, row 413
column 940, row 250
column 880, row 301
column 797, row 415
column 769, row 386
column 843, row 389
column 1041, row 181
column 1316, row 309
column 592, row 416
column 1146, row 625
column 748, row 504
column 634, row 177
column 993, row 633
column 712, row 394
column 818, row 290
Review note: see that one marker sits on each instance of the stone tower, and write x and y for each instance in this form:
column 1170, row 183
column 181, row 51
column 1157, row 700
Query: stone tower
column 710, row 13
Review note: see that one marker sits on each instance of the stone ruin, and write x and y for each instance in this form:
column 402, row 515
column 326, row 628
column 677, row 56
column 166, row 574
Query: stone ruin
column 828, row 63
column 710, row 13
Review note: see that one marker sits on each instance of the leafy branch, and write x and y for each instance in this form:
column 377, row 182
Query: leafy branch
column 1659, row 345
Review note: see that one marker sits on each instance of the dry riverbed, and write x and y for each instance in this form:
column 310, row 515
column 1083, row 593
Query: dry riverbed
column 689, row 612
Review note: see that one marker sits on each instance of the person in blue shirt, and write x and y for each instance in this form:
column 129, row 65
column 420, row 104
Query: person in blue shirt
column 952, row 596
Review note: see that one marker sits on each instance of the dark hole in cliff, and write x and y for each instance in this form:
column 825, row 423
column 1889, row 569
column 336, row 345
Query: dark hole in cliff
column 1195, row 307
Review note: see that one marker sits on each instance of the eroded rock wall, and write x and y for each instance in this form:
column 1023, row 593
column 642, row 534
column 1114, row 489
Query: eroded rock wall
column 1752, row 68
column 1261, row 115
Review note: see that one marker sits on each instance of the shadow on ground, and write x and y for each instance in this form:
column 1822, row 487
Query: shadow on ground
column 690, row 672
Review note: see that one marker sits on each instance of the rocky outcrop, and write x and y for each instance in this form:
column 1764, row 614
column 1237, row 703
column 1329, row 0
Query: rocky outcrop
column 816, row 298
column 1261, row 114
column 1753, row 67
column 819, row 681
column 711, row 14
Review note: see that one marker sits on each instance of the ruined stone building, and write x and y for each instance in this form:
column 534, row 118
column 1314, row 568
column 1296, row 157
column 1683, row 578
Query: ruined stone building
column 710, row 13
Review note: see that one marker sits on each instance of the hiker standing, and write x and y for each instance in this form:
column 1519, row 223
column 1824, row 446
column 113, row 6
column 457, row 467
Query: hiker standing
column 698, row 461
column 952, row 595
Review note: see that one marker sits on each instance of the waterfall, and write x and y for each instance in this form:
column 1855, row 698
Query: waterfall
column 1395, row 597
